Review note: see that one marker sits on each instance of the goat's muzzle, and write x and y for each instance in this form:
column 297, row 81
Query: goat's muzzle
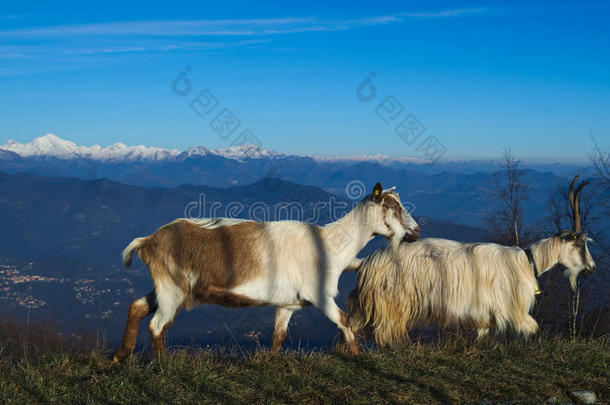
column 589, row 270
column 411, row 236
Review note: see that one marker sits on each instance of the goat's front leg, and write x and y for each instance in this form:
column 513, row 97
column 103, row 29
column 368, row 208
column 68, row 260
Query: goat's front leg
column 282, row 317
column 527, row 326
column 329, row 308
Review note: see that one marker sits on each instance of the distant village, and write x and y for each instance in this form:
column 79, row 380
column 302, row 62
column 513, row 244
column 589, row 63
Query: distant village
column 16, row 287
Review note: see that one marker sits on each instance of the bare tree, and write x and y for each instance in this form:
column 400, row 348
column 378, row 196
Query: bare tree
column 507, row 222
column 601, row 162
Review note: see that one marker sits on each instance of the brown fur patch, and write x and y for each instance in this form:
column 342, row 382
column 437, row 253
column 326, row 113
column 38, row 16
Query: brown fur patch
column 157, row 342
column 222, row 258
column 344, row 321
column 353, row 346
column 219, row 296
column 203, row 263
column 277, row 340
column 390, row 201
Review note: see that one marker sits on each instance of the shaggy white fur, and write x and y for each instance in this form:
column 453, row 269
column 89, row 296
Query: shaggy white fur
column 443, row 282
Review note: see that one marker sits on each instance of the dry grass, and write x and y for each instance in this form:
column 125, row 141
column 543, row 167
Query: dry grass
column 454, row 370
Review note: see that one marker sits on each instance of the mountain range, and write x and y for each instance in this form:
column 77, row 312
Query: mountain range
column 426, row 186
column 51, row 147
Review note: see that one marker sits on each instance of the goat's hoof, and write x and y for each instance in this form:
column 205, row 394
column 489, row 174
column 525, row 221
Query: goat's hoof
column 119, row 357
column 355, row 350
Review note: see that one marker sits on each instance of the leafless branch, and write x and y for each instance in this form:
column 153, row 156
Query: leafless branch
column 601, row 162
column 510, row 192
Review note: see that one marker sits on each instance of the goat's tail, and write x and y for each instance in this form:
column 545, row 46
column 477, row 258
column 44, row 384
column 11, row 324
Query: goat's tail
column 128, row 251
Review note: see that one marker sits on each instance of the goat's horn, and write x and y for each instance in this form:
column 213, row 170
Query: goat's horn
column 571, row 198
column 571, row 193
column 577, row 222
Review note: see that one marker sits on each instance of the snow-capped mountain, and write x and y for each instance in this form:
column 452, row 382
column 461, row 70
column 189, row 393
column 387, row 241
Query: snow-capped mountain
column 51, row 145
column 239, row 152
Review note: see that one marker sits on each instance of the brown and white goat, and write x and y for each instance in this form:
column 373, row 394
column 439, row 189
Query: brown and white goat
column 238, row 263
column 443, row 282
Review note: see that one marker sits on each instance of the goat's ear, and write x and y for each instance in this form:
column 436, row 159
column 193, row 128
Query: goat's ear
column 377, row 190
column 569, row 236
column 582, row 236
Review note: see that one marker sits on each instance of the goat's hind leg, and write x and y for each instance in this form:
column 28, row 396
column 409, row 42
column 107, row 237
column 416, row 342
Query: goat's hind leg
column 282, row 318
column 137, row 311
column 169, row 301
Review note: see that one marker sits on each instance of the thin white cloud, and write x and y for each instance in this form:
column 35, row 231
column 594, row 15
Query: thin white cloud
column 227, row 27
column 157, row 28
column 155, row 47
column 446, row 13
column 44, row 50
column 174, row 35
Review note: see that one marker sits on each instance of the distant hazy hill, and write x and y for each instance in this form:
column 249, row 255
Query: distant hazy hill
column 93, row 220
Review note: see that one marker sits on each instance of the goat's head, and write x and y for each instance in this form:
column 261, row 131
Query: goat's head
column 574, row 253
column 388, row 216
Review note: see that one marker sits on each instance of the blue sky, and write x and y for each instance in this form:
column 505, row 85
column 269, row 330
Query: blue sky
column 479, row 76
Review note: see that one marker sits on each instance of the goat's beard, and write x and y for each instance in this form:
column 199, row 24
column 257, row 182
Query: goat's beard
column 572, row 276
column 395, row 243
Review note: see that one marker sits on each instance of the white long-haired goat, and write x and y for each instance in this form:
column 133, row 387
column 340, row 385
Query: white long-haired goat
column 238, row 263
column 443, row 282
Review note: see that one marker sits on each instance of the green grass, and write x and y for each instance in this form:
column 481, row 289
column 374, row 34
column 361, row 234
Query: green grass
column 457, row 371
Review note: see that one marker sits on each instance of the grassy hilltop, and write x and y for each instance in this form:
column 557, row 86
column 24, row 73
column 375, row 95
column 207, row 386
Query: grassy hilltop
column 455, row 371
